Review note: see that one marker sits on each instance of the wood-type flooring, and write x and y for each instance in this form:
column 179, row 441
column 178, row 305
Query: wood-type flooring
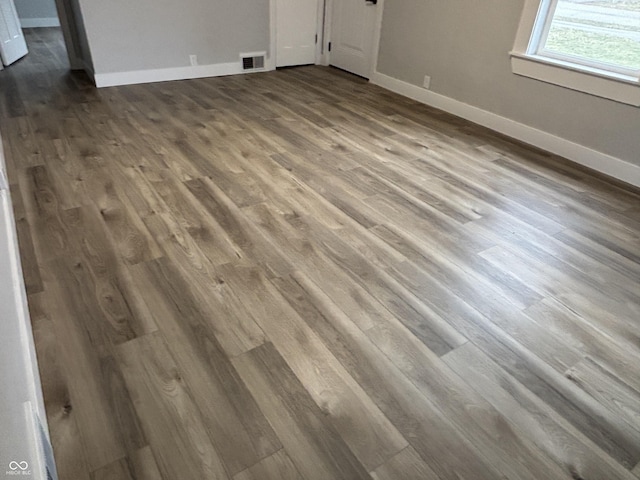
column 296, row 275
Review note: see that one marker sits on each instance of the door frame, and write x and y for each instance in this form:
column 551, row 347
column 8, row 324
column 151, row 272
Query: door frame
column 375, row 48
column 273, row 27
column 67, row 24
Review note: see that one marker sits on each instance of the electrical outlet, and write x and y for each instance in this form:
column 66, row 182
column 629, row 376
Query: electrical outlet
column 193, row 59
column 427, row 82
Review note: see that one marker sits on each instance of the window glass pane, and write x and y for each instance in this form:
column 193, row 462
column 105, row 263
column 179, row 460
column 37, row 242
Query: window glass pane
column 600, row 30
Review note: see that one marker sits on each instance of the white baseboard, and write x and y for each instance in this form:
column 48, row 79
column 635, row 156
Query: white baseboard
column 168, row 74
column 39, row 22
column 601, row 162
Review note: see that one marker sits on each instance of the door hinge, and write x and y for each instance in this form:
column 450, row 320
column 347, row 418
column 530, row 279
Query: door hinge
column 316, row 38
column 329, row 46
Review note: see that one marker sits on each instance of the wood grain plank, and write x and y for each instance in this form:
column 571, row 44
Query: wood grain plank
column 373, row 288
column 432, row 329
column 293, row 239
column 614, row 260
column 401, row 401
column 480, row 421
column 172, row 422
column 589, row 337
column 204, row 230
column 44, row 213
column 125, row 228
column 107, row 275
column 66, row 441
column 90, row 397
column 236, row 226
column 118, row 470
column 617, row 396
column 274, row 467
column 406, row 465
column 236, row 426
column 213, row 306
column 359, row 422
column 29, row 261
column 552, row 275
column 526, row 366
column 421, row 285
column 436, row 279
column 581, row 262
column 143, row 465
column 315, row 446
column 578, row 456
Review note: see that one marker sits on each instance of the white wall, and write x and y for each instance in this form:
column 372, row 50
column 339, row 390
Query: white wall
column 127, row 36
column 37, row 13
column 463, row 45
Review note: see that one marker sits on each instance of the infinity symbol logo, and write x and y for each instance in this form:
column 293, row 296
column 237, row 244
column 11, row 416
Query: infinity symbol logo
column 18, row 465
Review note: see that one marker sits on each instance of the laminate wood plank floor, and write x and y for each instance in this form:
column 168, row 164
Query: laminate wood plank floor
column 298, row 275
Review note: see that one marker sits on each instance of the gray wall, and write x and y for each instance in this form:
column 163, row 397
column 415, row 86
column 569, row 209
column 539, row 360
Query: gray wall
column 36, row 8
column 126, row 35
column 463, row 45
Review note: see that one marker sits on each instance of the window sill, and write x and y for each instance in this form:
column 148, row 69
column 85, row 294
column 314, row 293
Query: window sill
column 619, row 88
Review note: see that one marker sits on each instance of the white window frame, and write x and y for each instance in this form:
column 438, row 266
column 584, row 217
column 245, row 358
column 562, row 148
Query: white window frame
column 590, row 77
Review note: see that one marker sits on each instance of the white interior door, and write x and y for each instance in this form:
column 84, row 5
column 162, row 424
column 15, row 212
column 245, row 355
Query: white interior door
column 353, row 24
column 296, row 28
column 12, row 43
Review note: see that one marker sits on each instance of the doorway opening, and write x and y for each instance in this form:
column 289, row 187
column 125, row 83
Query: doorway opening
column 40, row 24
column 37, row 13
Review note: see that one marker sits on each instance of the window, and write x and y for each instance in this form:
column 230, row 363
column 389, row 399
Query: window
column 587, row 45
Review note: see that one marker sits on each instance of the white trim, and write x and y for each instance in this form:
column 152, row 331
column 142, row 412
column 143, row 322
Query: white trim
column 39, row 22
column 579, row 68
column 376, row 38
column 273, row 27
column 601, row 162
column 326, row 33
column 320, row 30
column 527, row 24
column 526, row 61
column 168, row 74
column 614, row 87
